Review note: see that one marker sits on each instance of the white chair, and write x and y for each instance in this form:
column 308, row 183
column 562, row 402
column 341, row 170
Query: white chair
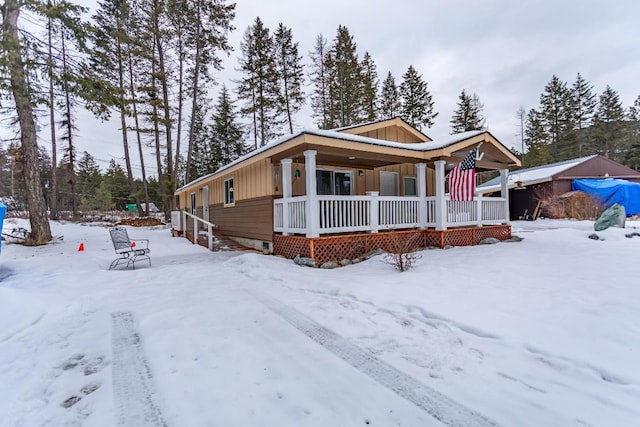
column 128, row 252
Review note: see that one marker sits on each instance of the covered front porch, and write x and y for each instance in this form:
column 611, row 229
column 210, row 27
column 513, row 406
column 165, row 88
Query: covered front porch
column 313, row 215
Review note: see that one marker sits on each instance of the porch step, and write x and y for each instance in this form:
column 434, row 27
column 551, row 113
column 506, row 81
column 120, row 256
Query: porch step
column 220, row 243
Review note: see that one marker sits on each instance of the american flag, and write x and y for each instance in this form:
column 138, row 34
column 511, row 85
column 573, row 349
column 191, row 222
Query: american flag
column 462, row 179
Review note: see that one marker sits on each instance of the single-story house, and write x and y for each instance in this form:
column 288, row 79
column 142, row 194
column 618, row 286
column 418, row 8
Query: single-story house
column 528, row 186
column 334, row 194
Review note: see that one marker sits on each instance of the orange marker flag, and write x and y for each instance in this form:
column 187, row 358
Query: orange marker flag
column 133, row 244
column 81, row 247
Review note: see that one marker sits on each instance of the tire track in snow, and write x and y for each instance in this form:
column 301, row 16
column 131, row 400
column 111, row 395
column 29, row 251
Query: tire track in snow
column 133, row 388
column 436, row 404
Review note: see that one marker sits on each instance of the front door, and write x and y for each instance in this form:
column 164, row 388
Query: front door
column 205, row 204
column 389, row 184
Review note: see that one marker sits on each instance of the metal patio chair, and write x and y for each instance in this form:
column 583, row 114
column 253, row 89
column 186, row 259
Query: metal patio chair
column 128, row 251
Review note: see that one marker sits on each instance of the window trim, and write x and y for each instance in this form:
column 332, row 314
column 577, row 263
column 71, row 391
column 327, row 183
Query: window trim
column 229, row 193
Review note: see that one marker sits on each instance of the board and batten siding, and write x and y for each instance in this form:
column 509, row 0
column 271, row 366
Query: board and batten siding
column 392, row 133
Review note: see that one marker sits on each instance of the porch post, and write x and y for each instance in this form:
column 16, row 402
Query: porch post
column 441, row 203
column 374, row 211
column 286, row 193
column 422, row 194
column 311, row 208
column 504, row 193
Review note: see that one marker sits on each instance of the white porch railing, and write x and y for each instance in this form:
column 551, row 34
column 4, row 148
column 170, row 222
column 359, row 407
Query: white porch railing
column 196, row 220
column 343, row 214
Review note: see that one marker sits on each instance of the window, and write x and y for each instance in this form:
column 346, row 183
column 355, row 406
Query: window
column 334, row 182
column 193, row 203
column 228, row 192
column 410, row 186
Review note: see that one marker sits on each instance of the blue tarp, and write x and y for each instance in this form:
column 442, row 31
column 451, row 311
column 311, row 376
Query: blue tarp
column 3, row 211
column 610, row 191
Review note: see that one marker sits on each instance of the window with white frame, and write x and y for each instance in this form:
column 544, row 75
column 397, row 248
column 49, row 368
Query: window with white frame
column 229, row 199
column 410, row 186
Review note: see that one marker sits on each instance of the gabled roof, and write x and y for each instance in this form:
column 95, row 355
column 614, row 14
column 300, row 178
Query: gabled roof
column 439, row 148
column 531, row 176
column 397, row 121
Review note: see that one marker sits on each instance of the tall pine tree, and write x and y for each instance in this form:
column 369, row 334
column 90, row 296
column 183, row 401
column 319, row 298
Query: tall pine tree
column 468, row 115
column 416, row 101
column 555, row 110
column 608, row 126
column 226, row 132
column 290, row 73
column 369, row 88
column 632, row 157
column 319, row 76
column 582, row 105
column 389, row 98
column 536, row 140
column 345, row 81
column 258, row 87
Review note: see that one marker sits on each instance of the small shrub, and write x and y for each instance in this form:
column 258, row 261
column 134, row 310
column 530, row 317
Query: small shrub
column 403, row 255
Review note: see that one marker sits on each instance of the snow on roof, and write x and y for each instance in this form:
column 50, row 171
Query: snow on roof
column 419, row 146
column 531, row 176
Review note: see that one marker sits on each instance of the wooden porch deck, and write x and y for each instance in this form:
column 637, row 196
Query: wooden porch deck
column 350, row 246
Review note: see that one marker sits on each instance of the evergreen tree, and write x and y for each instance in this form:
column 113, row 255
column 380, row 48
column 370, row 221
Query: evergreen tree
column 117, row 183
column 632, row 156
column 20, row 72
column 536, row 140
column 582, row 104
column 113, row 40
column 468, row 116
column 89, row 179
column 320, row 101
column 226, row 133
column 345, row 81
column 389, row 98
column 555, row 110
column 416, row 101
column 258, row 87
column 202, row 159
column 369, row 88
column 290, row 73
column 207, row 24
column 609, row 125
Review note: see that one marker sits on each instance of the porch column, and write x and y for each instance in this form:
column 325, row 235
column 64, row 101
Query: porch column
column 504, row 192
column 441, row 203
column 421, row 174
column 286, row 193
column 311, row 208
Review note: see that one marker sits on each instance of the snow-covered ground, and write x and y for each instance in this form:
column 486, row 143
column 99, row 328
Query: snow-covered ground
column 544, row 332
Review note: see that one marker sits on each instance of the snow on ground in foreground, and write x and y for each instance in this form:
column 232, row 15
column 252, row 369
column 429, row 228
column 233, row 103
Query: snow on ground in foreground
column 541, row 332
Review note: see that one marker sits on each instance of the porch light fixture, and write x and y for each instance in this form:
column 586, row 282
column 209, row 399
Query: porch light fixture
column 519, row 186
column 351, row 158
column 296, row 173
column 360, row 172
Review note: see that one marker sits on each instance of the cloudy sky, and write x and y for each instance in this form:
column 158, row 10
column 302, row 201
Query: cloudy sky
column 503, row 50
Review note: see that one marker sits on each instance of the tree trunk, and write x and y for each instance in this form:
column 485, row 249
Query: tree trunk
column 195, row 91
column 123, row 121
column 134, row 104
column 52, row 123
column 40, row 229
column 69, row 125
column 167, row 200
column 174, row 176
